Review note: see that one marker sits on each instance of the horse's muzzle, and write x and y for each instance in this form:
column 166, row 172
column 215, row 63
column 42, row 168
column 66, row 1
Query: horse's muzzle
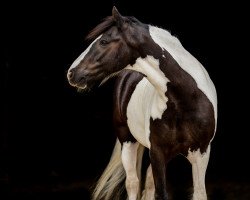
column 75, row 79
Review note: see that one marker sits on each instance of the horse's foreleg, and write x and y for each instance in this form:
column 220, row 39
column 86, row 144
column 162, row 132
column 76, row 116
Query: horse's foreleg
column 149, row 190
column 129, row 156
column 199, row 165
column 159, row 162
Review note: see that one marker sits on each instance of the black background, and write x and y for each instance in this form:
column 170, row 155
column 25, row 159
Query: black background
column 55, row 141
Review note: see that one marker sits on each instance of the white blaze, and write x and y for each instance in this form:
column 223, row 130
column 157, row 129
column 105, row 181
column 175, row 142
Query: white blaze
column 83, row 54
column 187, row 62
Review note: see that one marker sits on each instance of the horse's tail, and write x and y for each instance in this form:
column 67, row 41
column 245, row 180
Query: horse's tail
column 111, row 183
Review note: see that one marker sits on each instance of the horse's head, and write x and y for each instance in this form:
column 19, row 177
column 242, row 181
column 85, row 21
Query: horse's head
column 116, row 45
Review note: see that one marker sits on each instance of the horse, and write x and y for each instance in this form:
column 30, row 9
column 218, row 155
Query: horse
column 164, row 101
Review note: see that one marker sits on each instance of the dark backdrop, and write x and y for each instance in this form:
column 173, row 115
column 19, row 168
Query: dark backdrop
column 55, row 141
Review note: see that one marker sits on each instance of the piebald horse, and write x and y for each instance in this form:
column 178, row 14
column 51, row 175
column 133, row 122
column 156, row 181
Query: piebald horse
column 164, row 100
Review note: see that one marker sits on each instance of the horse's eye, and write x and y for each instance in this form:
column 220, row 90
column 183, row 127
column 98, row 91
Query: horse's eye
column 103, row 42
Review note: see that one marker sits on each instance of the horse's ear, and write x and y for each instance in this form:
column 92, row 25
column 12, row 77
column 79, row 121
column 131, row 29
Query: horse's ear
column 117, row 17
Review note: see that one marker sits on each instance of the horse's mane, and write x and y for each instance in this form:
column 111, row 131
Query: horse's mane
column 100, row 28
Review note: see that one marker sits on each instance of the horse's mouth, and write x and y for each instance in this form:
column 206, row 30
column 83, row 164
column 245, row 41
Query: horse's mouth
column 80, row 86
column 87, row 82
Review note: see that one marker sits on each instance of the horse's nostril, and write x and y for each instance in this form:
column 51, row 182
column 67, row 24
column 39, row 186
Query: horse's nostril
column 70, row 74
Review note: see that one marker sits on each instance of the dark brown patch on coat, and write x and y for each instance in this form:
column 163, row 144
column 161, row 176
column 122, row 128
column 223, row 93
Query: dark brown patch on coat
column 189, row 120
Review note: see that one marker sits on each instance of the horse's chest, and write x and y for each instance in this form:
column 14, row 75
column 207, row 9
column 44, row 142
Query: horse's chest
column 145, row 103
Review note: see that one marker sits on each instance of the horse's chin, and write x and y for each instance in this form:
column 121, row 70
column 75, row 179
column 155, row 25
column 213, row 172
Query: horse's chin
column 83, row 88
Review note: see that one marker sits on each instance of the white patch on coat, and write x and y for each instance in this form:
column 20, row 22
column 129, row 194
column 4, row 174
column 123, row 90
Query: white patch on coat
column 149, row 191
column 129, row 158
column 83, row 54
column 148, row 99
column 199, row 165
column 187, row 62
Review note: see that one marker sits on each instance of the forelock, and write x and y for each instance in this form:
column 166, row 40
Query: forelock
column 106, row 24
